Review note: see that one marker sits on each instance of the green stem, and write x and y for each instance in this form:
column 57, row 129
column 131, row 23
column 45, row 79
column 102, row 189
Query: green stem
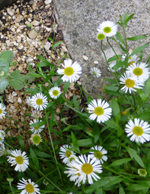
column 112, row 48
column 11, row 188
column 107, row 62
column 109, row 135
column 8, row 145
column 125, row 39
column 46, row 175
column 83, row 90
column 119, row 147
column 49, row 131
column 117, row 173
column 40, row 42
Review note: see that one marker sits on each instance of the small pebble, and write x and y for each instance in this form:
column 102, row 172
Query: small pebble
column 85, row 57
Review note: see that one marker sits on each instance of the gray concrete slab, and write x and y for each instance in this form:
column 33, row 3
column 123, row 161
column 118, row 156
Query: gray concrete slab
column 79, row 20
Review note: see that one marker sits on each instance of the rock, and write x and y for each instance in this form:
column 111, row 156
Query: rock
column 47, row 2
column 19, row 100
column 19, row 18
column 35, row 23
column 85, row 57
column 95, row 62
column 32, row 34
column 10, row 11
column 47, row 45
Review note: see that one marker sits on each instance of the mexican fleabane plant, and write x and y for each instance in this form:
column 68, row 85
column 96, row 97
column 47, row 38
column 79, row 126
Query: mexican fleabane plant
column 104, row 147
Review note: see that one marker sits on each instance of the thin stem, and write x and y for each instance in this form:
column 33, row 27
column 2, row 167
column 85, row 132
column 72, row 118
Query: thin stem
column 45, row 176
column 49, row 131
column 125, row 39
column 109, row 135
column 11, row 187
column 41, row 43
column 8, row 145
column 112, row 48
column 108, row 63
column 117, row 173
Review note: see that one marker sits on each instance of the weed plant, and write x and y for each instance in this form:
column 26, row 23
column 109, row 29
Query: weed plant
column 105, row 150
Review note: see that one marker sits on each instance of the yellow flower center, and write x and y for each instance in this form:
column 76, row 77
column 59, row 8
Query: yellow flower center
column 100, row 36
column 87, row 168
column 1, row 111
column 99, row 111
column 36, row 139
column 68, row 71
column 68, row 153
column 98, row 154
column 94, row 72
column 71, row 159
column 2, row 133
column 39, row 101
column 29, row 188
column 19, row 160
column 107, row 29
column 137, row 130
column 131, row 63
column 130, row 83
column 142, row 172
column 36, row 128
column 137, row 71
column 55, row 92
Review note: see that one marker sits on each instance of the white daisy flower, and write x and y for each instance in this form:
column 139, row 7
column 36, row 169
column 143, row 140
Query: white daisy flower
column 36, row 129
column 2, row 133
column 28, row 187
column 130, row 83
column 1, row 138
column 36, row 139
column 138, row 130
column 65, row 153
column 28, row 101
column 2, row 111
column 100, row 110
column 111, row 65
column 72, row 157
column 95, row 72
column 54, row 92
column 99, row 154
column 36, row 114
column 2, row 149
column 131, row 58
column 39, row 101
column 140, row 71
column 86, row 169
column 70, row 71
column 109, row 28
column 19, row 159
column 142, row 172
column 100, row 35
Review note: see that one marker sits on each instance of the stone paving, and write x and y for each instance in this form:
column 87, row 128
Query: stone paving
column 79, row 20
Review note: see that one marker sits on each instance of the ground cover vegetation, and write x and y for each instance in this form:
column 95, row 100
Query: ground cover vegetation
column 105, row 148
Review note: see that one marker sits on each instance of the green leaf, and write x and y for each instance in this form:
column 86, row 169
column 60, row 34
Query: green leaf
column 112, row 88
column 136, row 187
column 75, row 142
column 57, row 44
column 121, row 190
column 4, row 68
column 35, row 75
column 127, row 18
column 50, row 39
column 38, row 124
column 29, row 78
column 114, row 58
column 134, row 38
column 147, row 88
column 34, row 159
column 21, row 141
column 66, row 86
column 85, row 142
column 7, row 56
column 142, row 95
column 43, row 155
column 119, row 37
column 3, row 84
column 111, row 124
column 139, row 49
column 116, row 109
column 16, row 80
column 41, row 58
column 120, row 162
column 133, row 154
